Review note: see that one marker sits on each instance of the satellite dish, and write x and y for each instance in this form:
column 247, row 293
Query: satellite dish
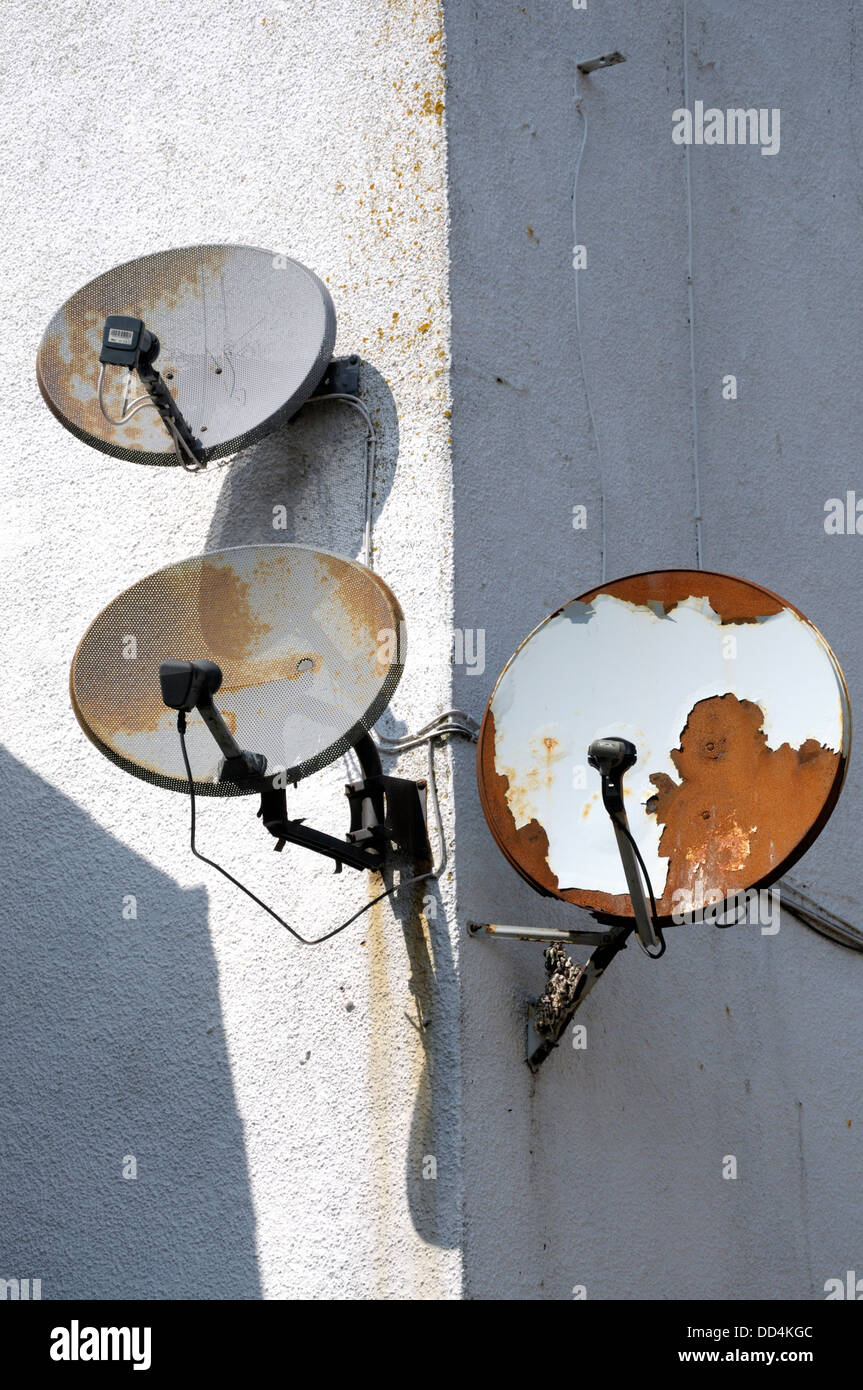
column 310, row 647
column 240, row 339
column 739, row 715
column 244, row 670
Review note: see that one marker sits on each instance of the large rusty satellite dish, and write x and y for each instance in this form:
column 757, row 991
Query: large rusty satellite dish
column 311, row 648
column 245, row 337
column 738, row 709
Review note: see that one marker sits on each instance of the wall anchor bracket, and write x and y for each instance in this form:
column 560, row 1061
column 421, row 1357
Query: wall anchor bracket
column 567, row 986
column 607, row 60
column 341, row 378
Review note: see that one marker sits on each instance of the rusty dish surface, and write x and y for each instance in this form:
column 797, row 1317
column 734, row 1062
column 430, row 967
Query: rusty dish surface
column 245, row 337
column 738, row 709
column 311, row 647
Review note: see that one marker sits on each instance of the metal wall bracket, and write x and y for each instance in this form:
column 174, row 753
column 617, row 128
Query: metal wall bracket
column 607, row 60
column 385, row 812
column 342, row 377
column 568, row 985
column 546, row 935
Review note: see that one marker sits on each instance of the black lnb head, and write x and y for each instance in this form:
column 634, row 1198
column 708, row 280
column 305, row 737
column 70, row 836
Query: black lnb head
column 612, row 757
column 124, row 340
column 186, row 684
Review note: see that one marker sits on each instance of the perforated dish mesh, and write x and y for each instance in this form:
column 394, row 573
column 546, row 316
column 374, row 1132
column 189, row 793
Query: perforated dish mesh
column 245, row 337
column 311, row 648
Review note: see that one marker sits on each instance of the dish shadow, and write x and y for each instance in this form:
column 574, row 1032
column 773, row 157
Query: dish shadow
column 305, row 482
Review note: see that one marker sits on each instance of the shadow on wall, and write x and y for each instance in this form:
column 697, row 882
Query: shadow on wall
column 314, row 469
column 433, row 1201
column 123, row 1054
column 305, row 482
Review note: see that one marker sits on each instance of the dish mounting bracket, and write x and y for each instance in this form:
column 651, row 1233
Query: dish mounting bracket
column 388, row 815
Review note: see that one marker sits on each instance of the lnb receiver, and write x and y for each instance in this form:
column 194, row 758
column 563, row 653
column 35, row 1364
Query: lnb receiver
column 612, row 757
column 125, row 340
column 188, row 685
column 185, row 684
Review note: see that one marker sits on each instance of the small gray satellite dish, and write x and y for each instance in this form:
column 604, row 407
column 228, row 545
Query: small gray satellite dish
column 244, row 338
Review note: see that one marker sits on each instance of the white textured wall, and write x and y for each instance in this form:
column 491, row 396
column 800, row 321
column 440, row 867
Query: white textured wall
column 280, row 1101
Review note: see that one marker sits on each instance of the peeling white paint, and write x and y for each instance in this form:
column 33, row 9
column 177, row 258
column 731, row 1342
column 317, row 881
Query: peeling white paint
column 611, row 667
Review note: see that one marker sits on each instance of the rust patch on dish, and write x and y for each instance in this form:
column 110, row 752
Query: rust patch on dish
column 67, row 363
column 525, row 847
column 760, row 808
column 739, row 807
column 370, row 610
column 197, row 609
column 205, row 608
column 733, row 600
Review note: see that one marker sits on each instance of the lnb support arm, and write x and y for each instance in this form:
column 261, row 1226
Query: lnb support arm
column 386, row 813
column 612, row 757
column 127, row 342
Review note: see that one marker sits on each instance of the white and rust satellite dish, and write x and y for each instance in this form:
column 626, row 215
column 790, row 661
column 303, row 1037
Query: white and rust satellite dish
column 227, row 341
column 273, row 661
column 737, row 713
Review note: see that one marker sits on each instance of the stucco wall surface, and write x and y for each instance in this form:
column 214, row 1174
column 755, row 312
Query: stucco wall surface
column 279, row 1101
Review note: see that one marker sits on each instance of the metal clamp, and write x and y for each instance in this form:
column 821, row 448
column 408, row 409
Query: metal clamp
column 607, row 60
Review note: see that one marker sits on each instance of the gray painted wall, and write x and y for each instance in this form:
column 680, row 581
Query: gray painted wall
column 281, row 1103
column 606, row 1170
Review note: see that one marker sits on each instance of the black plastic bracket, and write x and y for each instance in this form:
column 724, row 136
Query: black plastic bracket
column 164, row 402
column 274, row 813
column 389, row 811
column 342, row 377
column 387, row 814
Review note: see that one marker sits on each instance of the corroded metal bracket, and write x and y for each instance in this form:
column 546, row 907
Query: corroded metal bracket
column 567, row 986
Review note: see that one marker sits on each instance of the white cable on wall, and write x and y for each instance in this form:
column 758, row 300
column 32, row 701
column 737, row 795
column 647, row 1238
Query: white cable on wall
column 691, row 306
column 578, row 334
